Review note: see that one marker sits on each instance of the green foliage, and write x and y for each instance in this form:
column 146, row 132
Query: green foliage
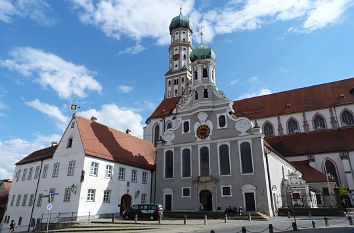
column 343, row 191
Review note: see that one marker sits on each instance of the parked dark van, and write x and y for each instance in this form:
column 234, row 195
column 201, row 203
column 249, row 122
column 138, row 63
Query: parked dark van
column 149, row 211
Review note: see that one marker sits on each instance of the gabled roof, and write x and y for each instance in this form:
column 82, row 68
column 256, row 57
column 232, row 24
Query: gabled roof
column 165, row 108
column 107, row 143
column 38, row 155
column 297, row 100
column 310, row 174
column 314, row 142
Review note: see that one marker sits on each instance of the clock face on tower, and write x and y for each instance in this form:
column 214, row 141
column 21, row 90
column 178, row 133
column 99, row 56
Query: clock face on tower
column 203, row 131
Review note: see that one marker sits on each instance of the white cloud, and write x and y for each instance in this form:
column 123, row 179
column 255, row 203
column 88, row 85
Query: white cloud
column 254, row 93
column 50, row 70
column 51, row 111
column 117, row 117
column 37, row 10
column 132, row 50
column 234, row 82
column 14, row 150
column 125, row 88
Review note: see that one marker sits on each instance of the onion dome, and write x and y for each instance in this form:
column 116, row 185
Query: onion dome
column 181, row 21
column 202, row 52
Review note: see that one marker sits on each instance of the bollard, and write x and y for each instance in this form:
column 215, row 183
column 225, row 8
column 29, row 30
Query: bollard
column 185, row 220
column 159, row 219
column 294, row 226
column 249, row 217
column 350, row 219
column 225, row 218
column 136, row 218
column 113, row 217
column 270, row 228
column 205, row 220
column 288, row 214
column 326, row 221
column 89, row 217
column 313, row 224
column 243, row 230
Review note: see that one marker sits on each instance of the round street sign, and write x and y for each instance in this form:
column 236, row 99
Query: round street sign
column 49, row 206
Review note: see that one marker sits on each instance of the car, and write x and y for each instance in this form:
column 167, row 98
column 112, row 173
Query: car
column 147, row 211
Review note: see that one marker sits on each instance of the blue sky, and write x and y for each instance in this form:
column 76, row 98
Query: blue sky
column 110, row 57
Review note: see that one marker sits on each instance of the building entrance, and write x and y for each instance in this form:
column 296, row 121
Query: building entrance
column 125, row 203
column 250, row 203
column 206, row 200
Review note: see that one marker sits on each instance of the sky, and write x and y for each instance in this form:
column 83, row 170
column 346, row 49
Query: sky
column 109, row 57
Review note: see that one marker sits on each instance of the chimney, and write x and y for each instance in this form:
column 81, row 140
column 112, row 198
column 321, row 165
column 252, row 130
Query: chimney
column 93, row 119
column 54, row 143
column 128, row 131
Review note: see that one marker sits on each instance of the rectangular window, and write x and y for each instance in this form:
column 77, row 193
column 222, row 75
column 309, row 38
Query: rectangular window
column 30, row 174
column 12, row 200
column 56, row 170
column 18, row 174
column 24, row 200
column 143, row 198
column 18, row 201
column 134, row 176
column 226, row 191
column 94, row 169
column 39, row 201
column 186, row 192
column 144, row 178
column 36, row 173
column 45, row 171
column 108, row 173
column 70, row 143
column 67, row 194
column 325, row 191
column 30, row 203
column 91, row 195
column 24, row 174
column 121, row 173
column 71, row 168
column 107, row 196
column 296, row 195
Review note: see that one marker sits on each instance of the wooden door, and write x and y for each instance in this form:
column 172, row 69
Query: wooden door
column 250, row 203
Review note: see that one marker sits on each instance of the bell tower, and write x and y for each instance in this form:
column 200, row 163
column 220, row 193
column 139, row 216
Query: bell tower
column 179, row 73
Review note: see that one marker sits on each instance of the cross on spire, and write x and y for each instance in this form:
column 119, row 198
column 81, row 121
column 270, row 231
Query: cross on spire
column 180, row 9
column 201, row 34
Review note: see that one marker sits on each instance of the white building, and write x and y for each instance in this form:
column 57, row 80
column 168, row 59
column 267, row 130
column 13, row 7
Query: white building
column 94, row 169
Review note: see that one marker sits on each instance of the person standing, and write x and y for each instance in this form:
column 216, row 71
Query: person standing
column 12, row 226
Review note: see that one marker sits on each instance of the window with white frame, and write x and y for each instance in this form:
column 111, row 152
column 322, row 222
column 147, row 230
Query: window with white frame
column 36, row 173
column 107, row 196
column 347, row 118
column 186, row 162
column 293, row 126
column 45, row 171
column 143, row 198
column 91, row 195
column 246, row 158
column 31, row 199
column 268, row 129
column 169, row 164
column 186, row 127
column 18, row 201
column 30, row 173
column 17, row 176
column 319, row 122
column 222, row 121
column 134, row 176
column 39, row 200
column 94, row 169
column 204, row 161
column 56, row 170
column 67, row 194
column 144, row 178
column 71, row 168
column 24, row 200
column 186, row 191
column 12, row 200
column 121, row 175
column 24, row 174
column 108, row 173
column 224, row 160
column 226, row 191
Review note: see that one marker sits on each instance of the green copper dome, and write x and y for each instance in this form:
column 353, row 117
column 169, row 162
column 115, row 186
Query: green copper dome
column 202, row 52
column 181, row 21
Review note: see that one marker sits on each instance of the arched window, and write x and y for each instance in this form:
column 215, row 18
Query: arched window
column 222, row 121
column 186, row 163
column 205, row 93
column 169, row 125
column 319, row 122
column 205, row 73
column 347, row 118
column 186, row 126
column 156, row 134
column 224, row 160
column 196, row 95
column 184, row 57
column 331, row 170
column 268, row 129
column 169, row 164
column 204, row 161
column 293, row 126
column 246, row 158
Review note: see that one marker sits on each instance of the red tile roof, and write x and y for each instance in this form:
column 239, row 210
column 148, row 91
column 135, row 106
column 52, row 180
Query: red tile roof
column 310, row 174
column 297, row 100
column 281, row 103
column 106, row 143
column 314, row 142
column 38, row 155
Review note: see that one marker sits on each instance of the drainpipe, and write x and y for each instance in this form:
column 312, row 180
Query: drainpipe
column 35, row 195
column 269, row 181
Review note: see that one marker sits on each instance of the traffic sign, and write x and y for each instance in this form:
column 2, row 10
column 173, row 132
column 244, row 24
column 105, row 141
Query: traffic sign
column 49, row 206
